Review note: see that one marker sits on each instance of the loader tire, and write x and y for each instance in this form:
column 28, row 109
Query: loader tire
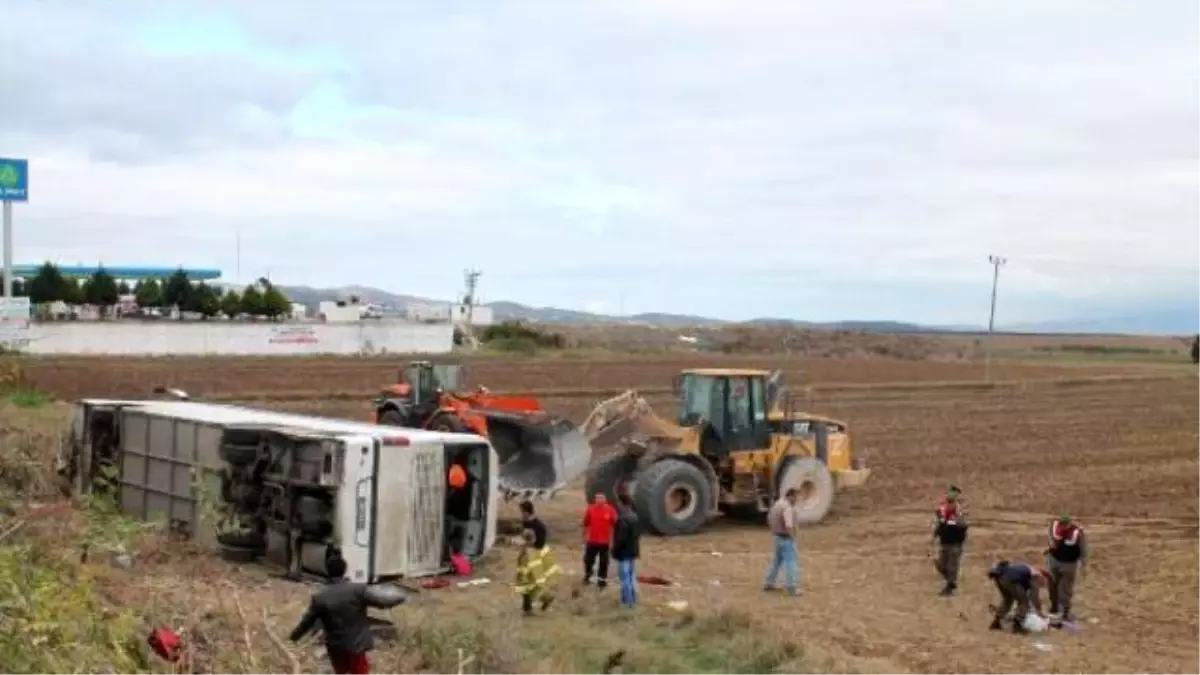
column 391, row 417
column 610, row 476
column 672, row 497
column 812, row 478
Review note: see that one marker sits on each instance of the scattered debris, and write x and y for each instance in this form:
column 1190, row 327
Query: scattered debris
column 435, row 583
column 677, row 606
column 613, row 661
column 165, row 643
column 653, row 580
column 1043, row 647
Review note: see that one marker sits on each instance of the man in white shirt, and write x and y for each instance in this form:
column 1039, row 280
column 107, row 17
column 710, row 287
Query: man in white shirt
column 782, row 521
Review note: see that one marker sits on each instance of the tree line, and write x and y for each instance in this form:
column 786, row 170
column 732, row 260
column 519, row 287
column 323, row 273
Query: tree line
column 261, row 299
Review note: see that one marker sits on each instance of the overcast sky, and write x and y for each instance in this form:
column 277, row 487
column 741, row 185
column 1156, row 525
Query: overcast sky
column 814, row 160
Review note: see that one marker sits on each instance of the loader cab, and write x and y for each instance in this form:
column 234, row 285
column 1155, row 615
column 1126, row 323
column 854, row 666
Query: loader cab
column 429, row 380
column 732, row 403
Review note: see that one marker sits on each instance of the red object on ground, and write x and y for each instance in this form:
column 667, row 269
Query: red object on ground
column 653, row 581
column 460, row 564
column 165, row 642
column 435, row 583
column 350, row 662
column 599, row 520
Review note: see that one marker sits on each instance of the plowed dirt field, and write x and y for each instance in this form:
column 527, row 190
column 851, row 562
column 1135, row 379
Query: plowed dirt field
column 74, row 377
column 1121, row 455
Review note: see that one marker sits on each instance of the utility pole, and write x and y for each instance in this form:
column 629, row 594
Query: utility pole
column 468, row 328
column 997, row 262
column 472, row 279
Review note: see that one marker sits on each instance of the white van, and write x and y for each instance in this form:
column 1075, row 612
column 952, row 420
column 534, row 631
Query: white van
column 290, row 489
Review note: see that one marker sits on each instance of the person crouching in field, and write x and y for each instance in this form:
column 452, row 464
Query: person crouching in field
column 535, row 570
column 950, row 534
column 1018, row 584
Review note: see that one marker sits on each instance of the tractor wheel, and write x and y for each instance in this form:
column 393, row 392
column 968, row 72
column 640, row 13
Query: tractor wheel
column 672, row 497
column 391, row 417
column 811, row 478
column 611, row 476
column 449, row 424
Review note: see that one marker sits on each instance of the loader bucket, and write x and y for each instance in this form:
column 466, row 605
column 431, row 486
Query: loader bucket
column 538, row 455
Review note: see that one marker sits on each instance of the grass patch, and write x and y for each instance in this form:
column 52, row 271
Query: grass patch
column 29, row 398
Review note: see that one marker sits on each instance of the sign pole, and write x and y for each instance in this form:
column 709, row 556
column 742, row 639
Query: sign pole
column 8, row 250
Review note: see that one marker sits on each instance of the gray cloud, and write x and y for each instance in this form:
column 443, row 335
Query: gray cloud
column 845, row 141
column 82, row 82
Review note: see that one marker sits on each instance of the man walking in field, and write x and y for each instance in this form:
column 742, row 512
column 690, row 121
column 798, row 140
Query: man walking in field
column 781, row 519
column 950, row 534
column 340, row 609
column 1018, row 584
column 1065, row 559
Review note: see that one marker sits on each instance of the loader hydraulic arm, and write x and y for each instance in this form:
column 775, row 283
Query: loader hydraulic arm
column 621, row 417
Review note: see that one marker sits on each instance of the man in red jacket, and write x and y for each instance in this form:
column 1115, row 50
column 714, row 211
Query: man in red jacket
column 598, row 522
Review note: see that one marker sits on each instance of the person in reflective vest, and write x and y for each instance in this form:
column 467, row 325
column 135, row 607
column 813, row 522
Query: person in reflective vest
column 950, row 534
column 535, row 571
column 1065, row 559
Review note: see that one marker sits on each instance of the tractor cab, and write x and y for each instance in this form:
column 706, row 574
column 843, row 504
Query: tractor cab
column 733, row 404
column 427, row 381
column 417, row 394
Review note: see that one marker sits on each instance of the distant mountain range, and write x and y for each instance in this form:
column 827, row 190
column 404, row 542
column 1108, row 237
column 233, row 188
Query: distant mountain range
column 1174, row 320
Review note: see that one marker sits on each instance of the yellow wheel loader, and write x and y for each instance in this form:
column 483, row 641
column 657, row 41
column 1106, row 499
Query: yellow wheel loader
column 735, row 447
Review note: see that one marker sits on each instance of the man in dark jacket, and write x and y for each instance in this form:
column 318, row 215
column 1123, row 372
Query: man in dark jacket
column 341, row 609
column 626, row 547
column 1018, row 584
column 530, row 521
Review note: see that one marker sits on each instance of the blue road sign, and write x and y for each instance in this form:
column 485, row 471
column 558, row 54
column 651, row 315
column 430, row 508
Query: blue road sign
column 14, row 180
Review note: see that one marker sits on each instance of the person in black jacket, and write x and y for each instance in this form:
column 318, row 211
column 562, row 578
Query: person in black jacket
column 530, row 521
column 1018, row 584
column 341, row 609
column 626, row 547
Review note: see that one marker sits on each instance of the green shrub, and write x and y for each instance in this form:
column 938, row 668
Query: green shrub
column 520, row 337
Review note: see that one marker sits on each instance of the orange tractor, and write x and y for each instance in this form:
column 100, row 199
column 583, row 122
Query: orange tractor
column 538, row 452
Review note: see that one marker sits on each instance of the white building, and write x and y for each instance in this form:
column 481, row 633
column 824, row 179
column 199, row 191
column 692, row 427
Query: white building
column 446, row 312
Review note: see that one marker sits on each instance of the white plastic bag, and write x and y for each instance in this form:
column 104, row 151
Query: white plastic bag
column 1034, row 623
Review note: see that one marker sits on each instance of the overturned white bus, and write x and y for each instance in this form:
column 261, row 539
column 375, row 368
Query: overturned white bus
column 289, row 489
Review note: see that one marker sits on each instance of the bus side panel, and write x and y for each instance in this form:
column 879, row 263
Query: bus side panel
column 493, row 499
column 355, row 515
